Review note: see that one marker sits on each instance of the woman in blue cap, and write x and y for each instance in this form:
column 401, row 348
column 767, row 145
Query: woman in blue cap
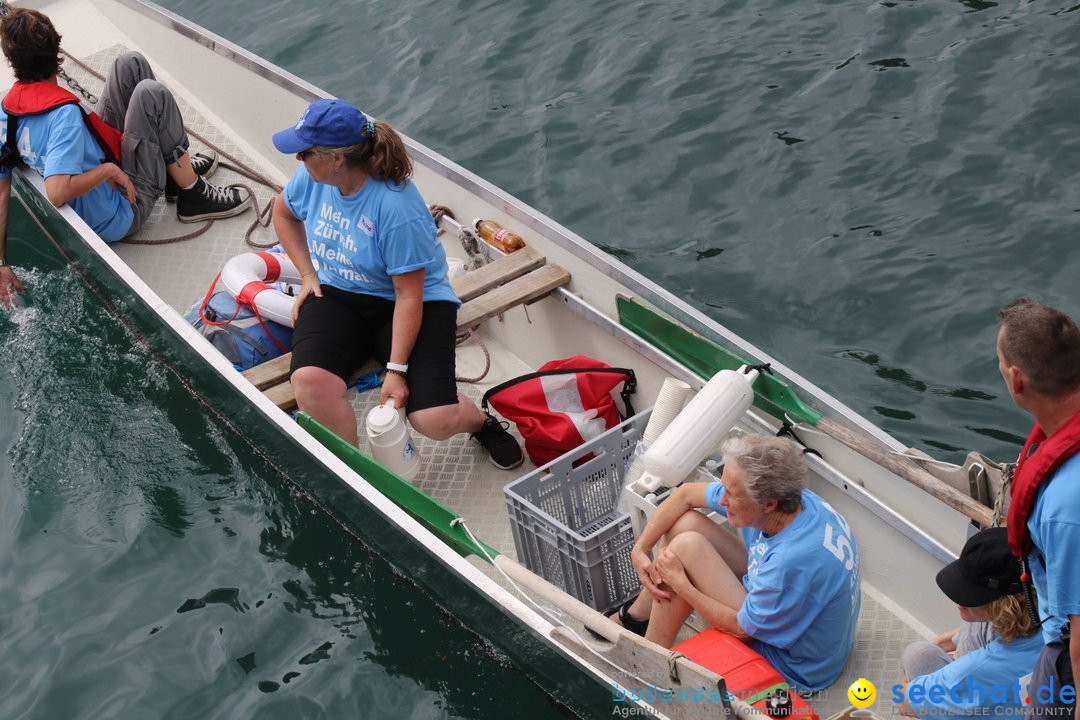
column 374, row 280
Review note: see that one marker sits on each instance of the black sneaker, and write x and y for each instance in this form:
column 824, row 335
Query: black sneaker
column 501, row 446
column 203, row 163
column 208, row 202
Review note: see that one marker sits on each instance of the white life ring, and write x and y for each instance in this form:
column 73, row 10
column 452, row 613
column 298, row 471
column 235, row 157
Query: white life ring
column 246, row 277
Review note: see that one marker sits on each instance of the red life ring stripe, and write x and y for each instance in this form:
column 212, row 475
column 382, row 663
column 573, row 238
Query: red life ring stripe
column 249, row 291
column 273, row 267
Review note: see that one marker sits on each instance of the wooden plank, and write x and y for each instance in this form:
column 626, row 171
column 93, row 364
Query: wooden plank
column 282, row 395
column 269, row 373
column 479, row 281
column 524, row 289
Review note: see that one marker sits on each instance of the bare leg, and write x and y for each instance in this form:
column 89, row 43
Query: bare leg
column 181, row 171
column 709, row 573
column 439, row 423
column 727, row 545
column 321, row 394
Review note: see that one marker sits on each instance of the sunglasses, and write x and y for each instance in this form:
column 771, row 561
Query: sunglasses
column 305, row 154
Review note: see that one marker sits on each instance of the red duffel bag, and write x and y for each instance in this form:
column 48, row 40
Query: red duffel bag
column 562, row 405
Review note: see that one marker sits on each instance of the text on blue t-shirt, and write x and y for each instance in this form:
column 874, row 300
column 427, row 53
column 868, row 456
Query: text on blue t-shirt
column 803, row 593
column 359, row 242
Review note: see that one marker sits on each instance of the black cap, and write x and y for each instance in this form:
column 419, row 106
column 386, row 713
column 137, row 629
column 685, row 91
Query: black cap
column 985, row 571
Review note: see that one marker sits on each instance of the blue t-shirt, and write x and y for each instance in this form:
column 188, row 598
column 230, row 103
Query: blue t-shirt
column 58, row 143
column 983, row 678
column 802, row 592
column 1055, row 529
column 358, row 242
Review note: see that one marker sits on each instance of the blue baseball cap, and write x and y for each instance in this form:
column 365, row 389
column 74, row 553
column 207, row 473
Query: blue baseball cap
column 331, row 123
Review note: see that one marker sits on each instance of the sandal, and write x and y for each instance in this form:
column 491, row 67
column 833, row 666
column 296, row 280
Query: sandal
column 629, row 622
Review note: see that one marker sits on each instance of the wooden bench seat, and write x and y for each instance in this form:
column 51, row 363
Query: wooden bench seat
column 519, row 278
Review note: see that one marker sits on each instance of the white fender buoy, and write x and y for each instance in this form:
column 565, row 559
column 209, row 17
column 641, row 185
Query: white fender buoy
column 696, row 430
column 247, row 279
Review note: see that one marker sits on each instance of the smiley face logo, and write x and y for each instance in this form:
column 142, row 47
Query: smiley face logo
column 862, row 693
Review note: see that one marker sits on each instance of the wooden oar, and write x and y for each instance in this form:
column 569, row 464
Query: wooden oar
column 910, row 471
column 705, row 358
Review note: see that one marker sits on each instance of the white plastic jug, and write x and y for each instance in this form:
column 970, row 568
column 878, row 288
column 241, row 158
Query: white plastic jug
column 390, row 442
column 695, row 432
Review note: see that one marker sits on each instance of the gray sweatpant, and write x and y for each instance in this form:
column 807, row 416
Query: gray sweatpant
column 923, row 657
column 154, row 136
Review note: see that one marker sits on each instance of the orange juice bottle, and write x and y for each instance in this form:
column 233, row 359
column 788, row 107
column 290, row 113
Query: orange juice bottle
column 495, row 234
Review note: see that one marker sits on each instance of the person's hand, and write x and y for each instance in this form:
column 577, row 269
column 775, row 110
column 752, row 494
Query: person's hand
column 672, row 570
column 648, row 574
column 120, row 180
column 9, row 285
column 309, row 285
column 438, row 212
column 394, row 388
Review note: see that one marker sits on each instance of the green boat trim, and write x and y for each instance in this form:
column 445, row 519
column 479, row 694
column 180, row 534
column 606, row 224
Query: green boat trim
column 706, row 358
column 432, row 514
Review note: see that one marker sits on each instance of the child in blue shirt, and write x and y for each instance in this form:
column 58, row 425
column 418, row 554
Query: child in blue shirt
column 989, row 680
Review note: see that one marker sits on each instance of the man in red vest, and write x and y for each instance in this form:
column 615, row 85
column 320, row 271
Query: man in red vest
column 1038, row 351
column 110, row 166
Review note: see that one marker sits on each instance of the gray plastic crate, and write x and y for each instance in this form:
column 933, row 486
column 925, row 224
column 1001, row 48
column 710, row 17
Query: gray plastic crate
column 566, row 526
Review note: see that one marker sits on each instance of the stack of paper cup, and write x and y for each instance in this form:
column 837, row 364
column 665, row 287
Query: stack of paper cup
column 670, row 401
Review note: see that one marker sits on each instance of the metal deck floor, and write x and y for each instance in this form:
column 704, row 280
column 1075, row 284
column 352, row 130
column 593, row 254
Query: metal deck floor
column 455, row 472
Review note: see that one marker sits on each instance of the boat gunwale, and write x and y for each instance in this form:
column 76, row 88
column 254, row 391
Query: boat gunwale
column 532, row 218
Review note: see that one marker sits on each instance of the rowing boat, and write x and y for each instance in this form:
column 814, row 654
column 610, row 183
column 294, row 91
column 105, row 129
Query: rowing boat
column 450, row 527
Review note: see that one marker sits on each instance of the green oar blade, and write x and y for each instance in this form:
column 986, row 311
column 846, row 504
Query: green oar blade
column 706, row 358
column 432, row 514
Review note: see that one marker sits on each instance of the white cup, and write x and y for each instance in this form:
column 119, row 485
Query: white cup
column 456, row 268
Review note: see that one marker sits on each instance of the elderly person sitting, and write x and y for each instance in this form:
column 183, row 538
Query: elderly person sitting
column 788, row 584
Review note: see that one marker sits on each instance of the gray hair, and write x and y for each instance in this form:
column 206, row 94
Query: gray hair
column 775, row 469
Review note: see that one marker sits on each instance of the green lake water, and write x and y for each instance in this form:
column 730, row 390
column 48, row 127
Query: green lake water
column 855, row 187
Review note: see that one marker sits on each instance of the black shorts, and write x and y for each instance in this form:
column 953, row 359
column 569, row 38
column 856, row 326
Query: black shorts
column 341, row 331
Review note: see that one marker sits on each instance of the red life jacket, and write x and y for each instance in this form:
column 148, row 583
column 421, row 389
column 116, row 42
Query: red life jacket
column 1032, row 471
column 40, row 97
